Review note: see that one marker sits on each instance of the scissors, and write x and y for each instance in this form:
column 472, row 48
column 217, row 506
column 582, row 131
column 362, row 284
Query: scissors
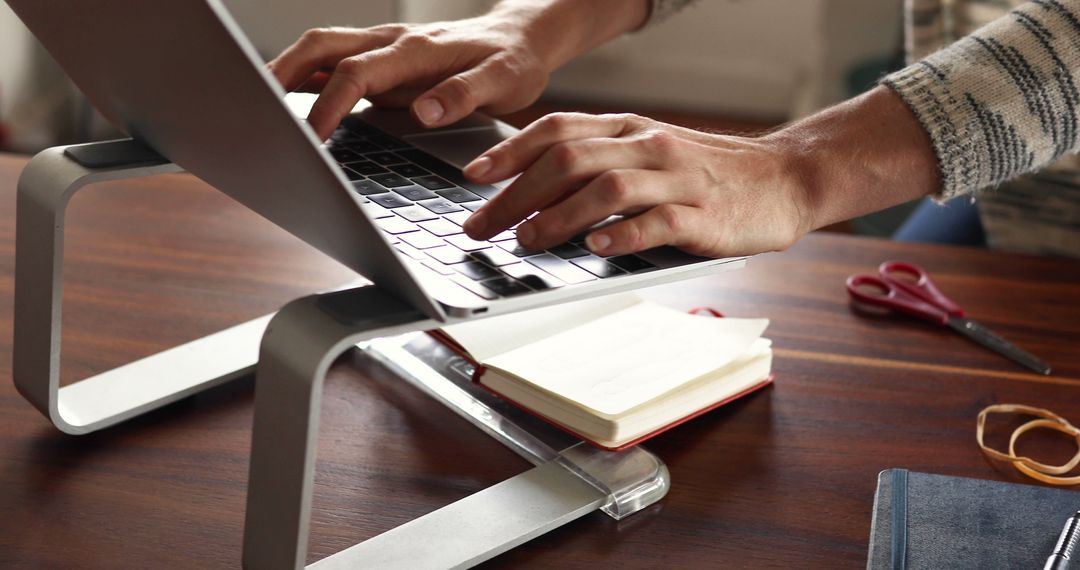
column 906, row 288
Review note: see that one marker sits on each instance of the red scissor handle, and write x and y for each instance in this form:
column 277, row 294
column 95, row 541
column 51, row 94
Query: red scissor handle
column 922, row 287
column 891, row 297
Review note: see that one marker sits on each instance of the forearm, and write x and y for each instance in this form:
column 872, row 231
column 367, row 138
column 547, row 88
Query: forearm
column 858, row 157
column 560, row 30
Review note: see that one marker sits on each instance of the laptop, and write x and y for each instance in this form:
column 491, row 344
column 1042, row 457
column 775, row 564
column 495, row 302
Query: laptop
column 383, row 196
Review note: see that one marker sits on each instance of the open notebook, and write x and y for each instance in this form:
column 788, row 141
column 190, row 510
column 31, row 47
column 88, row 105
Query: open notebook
column 615, row 370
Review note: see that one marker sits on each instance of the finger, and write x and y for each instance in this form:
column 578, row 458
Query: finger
column 369, row 73
column 610, row 193
column 314, row 84
column 397, row 98
column 666, row 224
column 518, row 152
column 457, row 96
column 321, row 49
column 562, row 168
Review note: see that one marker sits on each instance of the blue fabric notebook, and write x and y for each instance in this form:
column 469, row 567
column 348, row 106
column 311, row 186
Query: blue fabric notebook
column 935, row 521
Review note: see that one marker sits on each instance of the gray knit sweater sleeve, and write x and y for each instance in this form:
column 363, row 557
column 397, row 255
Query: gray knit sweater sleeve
column 1002, row 101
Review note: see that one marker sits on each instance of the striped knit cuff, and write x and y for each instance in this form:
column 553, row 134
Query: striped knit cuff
column 946, row 116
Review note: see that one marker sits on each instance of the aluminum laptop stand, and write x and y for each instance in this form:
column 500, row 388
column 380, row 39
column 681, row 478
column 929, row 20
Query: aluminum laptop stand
column 290, row 352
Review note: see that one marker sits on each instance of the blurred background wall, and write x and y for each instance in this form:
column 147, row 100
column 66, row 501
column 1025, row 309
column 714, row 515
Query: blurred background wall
column 719, row 63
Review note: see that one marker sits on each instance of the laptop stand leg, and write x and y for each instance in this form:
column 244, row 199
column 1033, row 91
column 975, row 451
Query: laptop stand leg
column 45, row 187
column 299, row 345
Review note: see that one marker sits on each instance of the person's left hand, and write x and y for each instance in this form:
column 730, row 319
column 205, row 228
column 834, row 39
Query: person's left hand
column 706, row 194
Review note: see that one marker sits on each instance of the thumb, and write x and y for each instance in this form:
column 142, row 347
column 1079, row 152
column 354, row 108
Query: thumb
column 457, row 96
column 666, row 224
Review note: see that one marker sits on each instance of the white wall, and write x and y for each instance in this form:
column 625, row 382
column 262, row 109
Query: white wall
column 767, row 58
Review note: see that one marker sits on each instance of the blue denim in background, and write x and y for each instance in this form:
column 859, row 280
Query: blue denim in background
column 955, row 222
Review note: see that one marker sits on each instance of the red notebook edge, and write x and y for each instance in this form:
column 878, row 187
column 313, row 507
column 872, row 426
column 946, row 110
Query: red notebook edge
column 480, row 369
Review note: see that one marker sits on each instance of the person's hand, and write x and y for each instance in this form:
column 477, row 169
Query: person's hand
column 498, row 62
column 707, row 194
column 445, row 70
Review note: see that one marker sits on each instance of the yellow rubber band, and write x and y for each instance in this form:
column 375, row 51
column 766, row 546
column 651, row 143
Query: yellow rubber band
column 1050, row 474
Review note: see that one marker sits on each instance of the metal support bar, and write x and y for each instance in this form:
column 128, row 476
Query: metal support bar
column 45, row 188
column 299, row 345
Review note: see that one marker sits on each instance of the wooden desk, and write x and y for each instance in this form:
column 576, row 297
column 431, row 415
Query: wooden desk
column 782, row 479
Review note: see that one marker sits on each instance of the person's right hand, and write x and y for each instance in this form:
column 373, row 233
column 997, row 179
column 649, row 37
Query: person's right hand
column 442, row 71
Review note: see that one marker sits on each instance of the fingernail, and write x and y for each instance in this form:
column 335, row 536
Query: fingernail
column 476, row 223
column 525, row 234
column 597, row 242
column 429, row 111
column 479, row 167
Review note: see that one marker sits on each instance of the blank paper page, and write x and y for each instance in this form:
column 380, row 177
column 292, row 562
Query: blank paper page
column 629, row 357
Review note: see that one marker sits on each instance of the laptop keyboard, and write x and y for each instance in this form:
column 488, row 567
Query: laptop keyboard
column 422, row 202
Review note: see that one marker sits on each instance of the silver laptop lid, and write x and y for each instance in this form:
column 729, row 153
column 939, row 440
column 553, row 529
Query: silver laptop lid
column 181, row 77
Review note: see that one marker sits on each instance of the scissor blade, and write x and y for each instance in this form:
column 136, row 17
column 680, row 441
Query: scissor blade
column 985, row 337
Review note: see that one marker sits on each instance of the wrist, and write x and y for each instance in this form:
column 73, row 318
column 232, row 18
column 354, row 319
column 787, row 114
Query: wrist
column 858, row 157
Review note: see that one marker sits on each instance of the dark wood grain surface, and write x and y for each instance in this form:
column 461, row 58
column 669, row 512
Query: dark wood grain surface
column 784, row 478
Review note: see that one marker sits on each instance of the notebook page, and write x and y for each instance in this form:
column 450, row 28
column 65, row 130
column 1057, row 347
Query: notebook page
column 485, row 338
column 629, row 357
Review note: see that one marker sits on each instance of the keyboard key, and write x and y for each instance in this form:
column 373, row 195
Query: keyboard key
column 376, row 211
column 440, row 205
column 556, row 266
column 396, row 225
column 421, row 240
column 410, row 251
column 516, row 248
column 344, row 154
column 360, row 146
column 466, row 243
column 384, row 158
column 473, row 286
column 437, row 267
column 503, row 236
column 387, row 142
column 630, row 263
column 449, row 173
column 579, row 239
column 567, row 251
column 458, row 217
column 390, row 180
column 597, row 266
column 476, row 270
column 494, row 256
column 448, row 254
column 368, row 187
column 409, row 170
column 433, row 182
column 441, row 227
column 415, row 193
column 342, row 134
column 457, row 195
column 505, row 286
column 352, row 175
column 474, row 205
column 416, row 214
column 366, row 168
column 532, row 276
column 390, row 200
